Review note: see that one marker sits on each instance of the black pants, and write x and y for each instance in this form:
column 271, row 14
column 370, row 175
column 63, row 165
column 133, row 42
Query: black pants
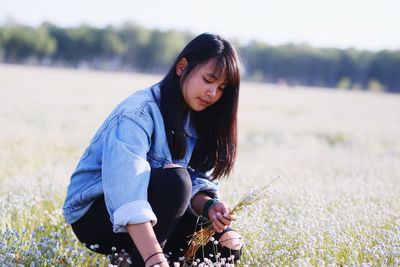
column 169, row 194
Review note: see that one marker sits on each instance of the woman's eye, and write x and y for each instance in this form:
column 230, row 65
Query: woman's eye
column 222, row 87
column 206, row 80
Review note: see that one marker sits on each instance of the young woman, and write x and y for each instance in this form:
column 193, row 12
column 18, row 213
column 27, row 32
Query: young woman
column 151, row 168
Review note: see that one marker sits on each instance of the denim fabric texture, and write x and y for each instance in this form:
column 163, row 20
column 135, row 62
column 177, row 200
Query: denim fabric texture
column 119, row 159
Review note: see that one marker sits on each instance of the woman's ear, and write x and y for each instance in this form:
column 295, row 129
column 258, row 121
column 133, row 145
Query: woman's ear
column 181, row 66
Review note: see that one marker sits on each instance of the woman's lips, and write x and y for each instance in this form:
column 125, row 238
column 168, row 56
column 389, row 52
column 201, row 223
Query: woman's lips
column 204, row 102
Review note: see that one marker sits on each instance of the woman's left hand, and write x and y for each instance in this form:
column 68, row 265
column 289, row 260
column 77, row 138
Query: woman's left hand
column 220, row 216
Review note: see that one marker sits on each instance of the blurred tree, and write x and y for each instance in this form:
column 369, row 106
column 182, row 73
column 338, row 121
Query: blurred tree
column 375, row 86
column 344, row 83
column 131, row 46
column 112, row 44
column 385, row 68
column 135, row 38
column 45, row 45
column 161, row 50
column 20, row 42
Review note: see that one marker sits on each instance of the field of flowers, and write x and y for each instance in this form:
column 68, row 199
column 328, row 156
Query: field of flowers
column 336, row 153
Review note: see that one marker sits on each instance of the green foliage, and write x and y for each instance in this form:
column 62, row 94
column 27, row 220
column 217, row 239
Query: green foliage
column 112, row 43
column 20, row 42
column 344, row 83
column 131, row 46
column 375, row 86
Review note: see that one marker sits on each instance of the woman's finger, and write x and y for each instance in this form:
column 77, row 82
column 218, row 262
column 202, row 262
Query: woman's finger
column 223, row 219
column 217, row 226
column 220, row 225
column 225, row 210
column 230, row 217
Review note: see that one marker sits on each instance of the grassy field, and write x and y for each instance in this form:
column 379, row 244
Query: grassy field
column 336, row 153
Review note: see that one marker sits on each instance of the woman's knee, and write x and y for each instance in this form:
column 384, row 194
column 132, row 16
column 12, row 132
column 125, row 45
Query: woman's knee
column 231, row 244
column 177, row 176
column 231, row 240
column 173, row 183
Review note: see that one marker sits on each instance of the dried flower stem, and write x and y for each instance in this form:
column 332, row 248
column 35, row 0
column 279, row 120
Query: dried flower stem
column 201, row 237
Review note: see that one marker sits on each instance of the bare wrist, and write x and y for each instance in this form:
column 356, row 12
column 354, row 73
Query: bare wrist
column 155, row 259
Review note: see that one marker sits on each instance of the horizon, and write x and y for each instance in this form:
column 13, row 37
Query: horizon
column 340, row 24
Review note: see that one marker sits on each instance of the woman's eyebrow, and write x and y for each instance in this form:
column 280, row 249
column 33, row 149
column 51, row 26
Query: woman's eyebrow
column 213, row 76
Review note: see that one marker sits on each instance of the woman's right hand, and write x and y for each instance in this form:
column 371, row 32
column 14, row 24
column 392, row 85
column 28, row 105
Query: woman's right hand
column 220, row 216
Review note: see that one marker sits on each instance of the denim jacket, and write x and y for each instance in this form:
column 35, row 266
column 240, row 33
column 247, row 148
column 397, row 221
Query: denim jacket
column 119, row 159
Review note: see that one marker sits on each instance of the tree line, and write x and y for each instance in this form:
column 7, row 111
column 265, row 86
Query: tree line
column 135, row 48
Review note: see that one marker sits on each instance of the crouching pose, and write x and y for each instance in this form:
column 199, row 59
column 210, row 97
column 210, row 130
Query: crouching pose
column 152, row 167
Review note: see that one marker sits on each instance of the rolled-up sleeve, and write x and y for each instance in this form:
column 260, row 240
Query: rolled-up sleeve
column 202, row 182
column 126, row 172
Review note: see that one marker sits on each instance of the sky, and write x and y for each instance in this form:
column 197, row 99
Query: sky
column 362, row 24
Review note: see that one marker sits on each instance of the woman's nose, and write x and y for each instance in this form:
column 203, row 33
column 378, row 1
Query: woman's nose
column 212, row 90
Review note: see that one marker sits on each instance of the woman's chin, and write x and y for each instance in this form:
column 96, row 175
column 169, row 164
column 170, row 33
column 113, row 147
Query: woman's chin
column 198, row 108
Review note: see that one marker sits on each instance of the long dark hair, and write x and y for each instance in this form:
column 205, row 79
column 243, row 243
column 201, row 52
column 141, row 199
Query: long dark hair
column 216, row 125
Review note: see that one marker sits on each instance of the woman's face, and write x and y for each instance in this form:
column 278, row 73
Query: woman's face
column 201, row 88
